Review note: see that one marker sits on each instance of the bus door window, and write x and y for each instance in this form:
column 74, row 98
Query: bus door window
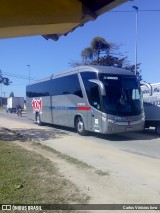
column 94, row 97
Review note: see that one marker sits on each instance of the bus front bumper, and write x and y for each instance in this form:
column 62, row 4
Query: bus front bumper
column 120, row 127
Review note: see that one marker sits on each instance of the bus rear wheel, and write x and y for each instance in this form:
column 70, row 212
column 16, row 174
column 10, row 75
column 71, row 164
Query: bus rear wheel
column 80, row 126
column 38, row 119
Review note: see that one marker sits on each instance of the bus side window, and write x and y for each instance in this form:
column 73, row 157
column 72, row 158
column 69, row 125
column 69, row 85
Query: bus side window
column 93, row 96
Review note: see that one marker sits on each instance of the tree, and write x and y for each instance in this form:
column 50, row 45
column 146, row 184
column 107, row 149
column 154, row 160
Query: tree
column 87, row 55
column 4, row 80
column 99, row 46
column 102, row 52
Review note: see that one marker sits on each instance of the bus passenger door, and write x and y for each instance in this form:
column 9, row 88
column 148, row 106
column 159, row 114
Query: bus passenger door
column 96, row 113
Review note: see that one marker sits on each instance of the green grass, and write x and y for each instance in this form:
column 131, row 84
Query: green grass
column 28, row 178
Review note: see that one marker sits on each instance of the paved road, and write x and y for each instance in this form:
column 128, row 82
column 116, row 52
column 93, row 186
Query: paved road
column 146, row 143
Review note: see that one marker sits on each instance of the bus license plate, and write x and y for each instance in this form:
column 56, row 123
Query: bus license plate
column 128, row 129
column 129, row 118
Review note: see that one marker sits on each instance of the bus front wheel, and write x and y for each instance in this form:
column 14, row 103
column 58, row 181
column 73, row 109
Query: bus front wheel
column 80, row 126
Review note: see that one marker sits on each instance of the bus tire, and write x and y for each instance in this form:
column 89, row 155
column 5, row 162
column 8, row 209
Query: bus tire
column 157, row 129
column 80, row 126
column 38, row 119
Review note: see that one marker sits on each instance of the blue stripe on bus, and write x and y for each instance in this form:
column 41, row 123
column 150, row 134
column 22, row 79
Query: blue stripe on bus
column 62, row 108
column 69, row 108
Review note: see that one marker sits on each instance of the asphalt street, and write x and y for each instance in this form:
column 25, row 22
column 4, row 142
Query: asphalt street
column 145, row 143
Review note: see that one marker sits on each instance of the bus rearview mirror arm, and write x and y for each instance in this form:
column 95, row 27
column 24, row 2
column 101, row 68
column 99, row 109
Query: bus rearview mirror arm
column 148, row 85
column 101, row 86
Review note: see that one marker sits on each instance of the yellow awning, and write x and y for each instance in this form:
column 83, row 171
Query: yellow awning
column 38, row 17
column 51, row 18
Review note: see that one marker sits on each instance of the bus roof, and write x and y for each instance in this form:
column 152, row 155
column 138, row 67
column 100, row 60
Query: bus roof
column 105, row 69
column 90, row 68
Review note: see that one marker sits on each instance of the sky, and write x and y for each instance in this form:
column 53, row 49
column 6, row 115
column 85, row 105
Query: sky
column 47, row 57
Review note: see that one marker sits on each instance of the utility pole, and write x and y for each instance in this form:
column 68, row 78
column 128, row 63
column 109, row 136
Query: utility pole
column 29, row 70
column 136, row 38
column 1, row 88
column 4, row 101
column 4, row 93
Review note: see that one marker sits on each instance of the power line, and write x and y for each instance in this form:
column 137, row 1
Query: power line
column 130, row 11
column 18, row 76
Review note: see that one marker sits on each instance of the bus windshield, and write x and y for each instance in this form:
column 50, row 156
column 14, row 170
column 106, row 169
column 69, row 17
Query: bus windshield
column 123, row 95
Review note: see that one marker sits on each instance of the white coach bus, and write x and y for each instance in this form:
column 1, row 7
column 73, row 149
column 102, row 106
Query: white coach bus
column 100, row 99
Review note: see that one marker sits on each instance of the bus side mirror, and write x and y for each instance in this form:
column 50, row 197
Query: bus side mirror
column 101, row 86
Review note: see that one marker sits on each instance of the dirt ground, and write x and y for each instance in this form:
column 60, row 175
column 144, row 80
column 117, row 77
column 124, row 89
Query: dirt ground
column 116, row 177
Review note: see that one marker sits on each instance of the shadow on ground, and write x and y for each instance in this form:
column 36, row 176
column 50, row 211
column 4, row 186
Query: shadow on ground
column 30, row 134
column 147, row 134
column 7, row 135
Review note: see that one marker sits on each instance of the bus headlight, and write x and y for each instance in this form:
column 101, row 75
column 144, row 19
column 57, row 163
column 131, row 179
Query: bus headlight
column 104, row 119
column 110, row 121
